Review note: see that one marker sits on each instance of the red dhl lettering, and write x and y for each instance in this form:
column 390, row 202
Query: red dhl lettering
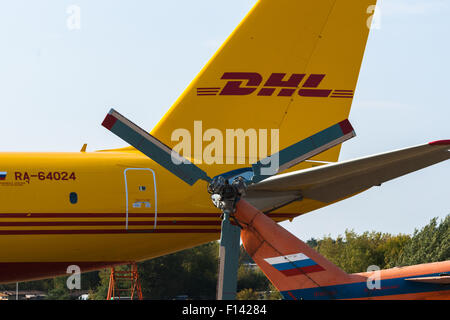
column 279, row 84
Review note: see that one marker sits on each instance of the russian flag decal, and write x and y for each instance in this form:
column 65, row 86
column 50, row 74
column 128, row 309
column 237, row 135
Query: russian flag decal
column 294, row 264
column 3, row 175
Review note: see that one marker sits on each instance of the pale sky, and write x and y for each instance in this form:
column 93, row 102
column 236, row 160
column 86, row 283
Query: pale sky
column 57, row 84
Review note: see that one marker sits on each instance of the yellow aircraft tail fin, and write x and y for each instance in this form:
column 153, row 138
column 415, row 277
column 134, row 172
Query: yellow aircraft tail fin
column 289, row 65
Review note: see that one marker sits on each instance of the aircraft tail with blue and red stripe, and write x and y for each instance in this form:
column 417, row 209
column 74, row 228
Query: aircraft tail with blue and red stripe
column 300, row 272
column 287, row 261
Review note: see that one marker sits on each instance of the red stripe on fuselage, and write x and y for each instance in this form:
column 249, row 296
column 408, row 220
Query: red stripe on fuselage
column 105, row 231
column 130, row 215
column 107, row 223
column 108, row 215
column 304, row 270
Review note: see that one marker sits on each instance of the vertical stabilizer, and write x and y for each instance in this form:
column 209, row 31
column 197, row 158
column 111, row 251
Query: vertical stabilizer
column 287, row 261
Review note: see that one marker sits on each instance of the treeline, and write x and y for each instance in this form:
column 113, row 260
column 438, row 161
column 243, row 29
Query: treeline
column 355, row 253
column 193, row 272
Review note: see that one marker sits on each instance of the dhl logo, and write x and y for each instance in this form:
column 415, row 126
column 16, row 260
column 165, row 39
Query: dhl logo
column 246, row 83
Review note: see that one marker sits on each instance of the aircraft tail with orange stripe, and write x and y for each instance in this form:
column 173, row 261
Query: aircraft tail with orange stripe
column 299, row 272
column 287, row 261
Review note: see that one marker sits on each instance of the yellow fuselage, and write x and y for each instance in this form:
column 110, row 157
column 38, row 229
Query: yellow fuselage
column 96, row 209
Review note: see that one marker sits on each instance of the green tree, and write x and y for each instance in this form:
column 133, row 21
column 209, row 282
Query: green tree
column 272, row 293
column 247, row 294
column 200, row 267
column 191, row 272
column 59, row 290
column 430, row 244
column 355, row 253
column 251, row 278
column 312, row 243
column 362, row 251
column 101, row 291
column 393, row 247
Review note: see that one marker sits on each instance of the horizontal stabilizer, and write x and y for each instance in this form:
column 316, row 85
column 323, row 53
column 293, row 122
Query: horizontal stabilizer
column 332, row 182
